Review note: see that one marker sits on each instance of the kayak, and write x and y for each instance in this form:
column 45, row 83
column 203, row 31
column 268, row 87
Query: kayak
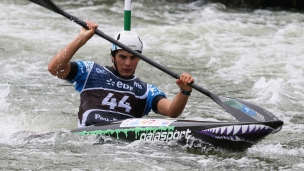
column 228, row 135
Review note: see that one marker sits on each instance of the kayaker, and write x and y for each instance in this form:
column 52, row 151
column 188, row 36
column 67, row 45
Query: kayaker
column 114, row 93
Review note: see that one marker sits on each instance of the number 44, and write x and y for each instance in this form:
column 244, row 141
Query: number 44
column 109, row 101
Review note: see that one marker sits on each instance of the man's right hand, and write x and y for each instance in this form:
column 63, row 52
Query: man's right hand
column 87, row 34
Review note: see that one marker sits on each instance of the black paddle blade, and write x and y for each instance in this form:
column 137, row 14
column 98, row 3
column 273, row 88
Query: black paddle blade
column 252, row 112
column 51, row 6
column 247, row 112
column 243, row 111
column 48, row 4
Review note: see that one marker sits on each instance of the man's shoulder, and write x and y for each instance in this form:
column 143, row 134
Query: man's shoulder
column 85, row 63
column 89, row 65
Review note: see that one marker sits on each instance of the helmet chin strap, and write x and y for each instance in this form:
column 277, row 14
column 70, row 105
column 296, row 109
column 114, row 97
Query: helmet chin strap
column 115, row 66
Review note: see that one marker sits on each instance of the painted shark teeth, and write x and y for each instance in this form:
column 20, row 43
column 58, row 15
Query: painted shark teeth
column 236, row 132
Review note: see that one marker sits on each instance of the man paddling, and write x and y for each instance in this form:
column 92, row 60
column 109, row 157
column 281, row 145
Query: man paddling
column 114, row 93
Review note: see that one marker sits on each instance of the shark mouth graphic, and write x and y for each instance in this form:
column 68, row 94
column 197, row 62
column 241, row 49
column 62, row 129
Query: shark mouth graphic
column 245, row 133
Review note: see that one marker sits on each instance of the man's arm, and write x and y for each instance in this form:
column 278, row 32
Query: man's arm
column 59, row 65
column 175, row 107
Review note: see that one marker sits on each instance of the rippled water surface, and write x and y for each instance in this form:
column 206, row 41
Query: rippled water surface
column 255, row 55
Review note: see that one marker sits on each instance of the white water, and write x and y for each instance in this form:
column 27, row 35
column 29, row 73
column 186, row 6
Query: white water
column 252, row 55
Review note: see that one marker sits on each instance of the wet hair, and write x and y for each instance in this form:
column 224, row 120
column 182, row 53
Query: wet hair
column 113, row 53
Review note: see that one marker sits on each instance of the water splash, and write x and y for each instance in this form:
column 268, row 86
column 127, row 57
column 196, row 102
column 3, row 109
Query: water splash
column 271, row 89
column 4, row 92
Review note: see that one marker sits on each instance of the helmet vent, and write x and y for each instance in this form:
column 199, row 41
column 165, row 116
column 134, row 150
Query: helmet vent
column 118, row 37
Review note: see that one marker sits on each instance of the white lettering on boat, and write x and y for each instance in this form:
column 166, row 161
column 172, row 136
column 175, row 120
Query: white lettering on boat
column 165, row 136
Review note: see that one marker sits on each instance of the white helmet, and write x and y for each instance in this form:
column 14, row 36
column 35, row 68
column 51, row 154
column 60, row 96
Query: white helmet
column 128, row 38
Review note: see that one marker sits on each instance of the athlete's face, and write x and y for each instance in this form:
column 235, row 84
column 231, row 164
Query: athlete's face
column 126, row 63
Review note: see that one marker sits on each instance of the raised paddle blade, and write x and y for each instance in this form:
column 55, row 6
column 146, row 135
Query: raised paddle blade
column 51, row 6
column 48, row 4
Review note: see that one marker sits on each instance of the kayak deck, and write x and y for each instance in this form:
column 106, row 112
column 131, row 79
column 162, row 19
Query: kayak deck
column 230, row 135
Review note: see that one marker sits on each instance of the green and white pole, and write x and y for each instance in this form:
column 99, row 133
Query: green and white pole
column 127, row 15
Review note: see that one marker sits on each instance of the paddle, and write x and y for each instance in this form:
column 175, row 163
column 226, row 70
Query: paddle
column 241, row 110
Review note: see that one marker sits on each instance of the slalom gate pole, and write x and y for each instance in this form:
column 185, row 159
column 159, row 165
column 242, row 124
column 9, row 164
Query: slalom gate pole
column 127, row 15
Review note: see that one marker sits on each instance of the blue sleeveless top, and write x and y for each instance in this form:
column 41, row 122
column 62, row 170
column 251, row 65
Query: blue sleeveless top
column 102, row 90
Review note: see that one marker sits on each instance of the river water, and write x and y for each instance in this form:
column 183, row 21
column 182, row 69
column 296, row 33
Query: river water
column 254, row 55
